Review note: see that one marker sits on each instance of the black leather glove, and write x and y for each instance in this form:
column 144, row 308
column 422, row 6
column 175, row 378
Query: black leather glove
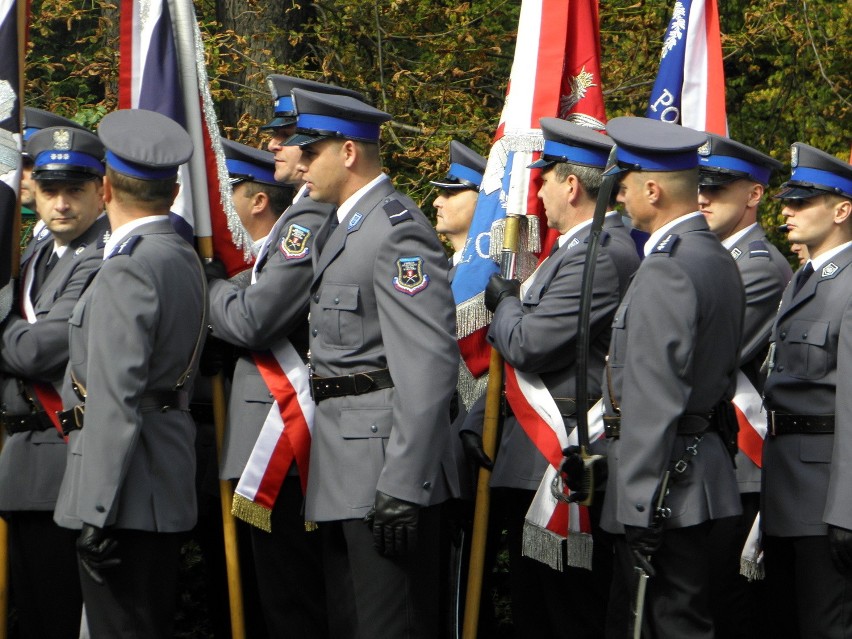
column 644, row 542
column 214, row 356
column 473, row 451
column 498, row 289
column 215, row 270
column 840, row 545
column 573, row 469
column 394, row 525
column 95, row 547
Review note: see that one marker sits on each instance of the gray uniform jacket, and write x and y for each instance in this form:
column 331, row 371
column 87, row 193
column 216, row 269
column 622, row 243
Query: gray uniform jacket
column 765, row 273
column 255, row 318
column 32, row 463
column 807, row 478
column 134, row 332
column 673, row 351
column 538, row 334
column 380, row 298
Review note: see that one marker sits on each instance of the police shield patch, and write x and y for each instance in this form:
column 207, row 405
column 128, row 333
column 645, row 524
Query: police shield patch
column 410, row 278
column 294, row 245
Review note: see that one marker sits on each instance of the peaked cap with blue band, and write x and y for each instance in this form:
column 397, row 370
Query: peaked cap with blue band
column 643, row 144
column 37, row 119
column 248, row 164
column 466, row 168
column 722, row 160
column 815, row 172
column 66, row 154
column 144, row 144
column 569, row 142
column 323, row 115
column 280, row 87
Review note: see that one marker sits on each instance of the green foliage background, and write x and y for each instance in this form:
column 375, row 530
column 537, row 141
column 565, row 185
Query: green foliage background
column 441, row 67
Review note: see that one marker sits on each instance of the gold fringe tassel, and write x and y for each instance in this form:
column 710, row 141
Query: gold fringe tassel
column 544, row 545
column 251, row 513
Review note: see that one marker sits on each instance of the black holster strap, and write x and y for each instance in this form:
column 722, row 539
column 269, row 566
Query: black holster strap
column 784, row 424
column 690, row 424
column 73, row 418
column 354, row 384
column 37, row 421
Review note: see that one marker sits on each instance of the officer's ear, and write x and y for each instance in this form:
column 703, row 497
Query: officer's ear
column 842, row 211
column 755, row 194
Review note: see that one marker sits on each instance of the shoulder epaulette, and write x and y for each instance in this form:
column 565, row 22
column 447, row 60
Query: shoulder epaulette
column 666, row 245
column 758, row 248
column 396, row 212
column 103, row 239
column 127, row 246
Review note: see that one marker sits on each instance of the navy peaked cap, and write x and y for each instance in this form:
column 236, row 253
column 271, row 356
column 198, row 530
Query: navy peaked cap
column 815, row 172
column 466, row 168
column 63, row 153
column 722, row 160
column 280, row 86
column 569, row 142
column 324, row 115
column 643, row 144
column 248, row 164
column 144, row 144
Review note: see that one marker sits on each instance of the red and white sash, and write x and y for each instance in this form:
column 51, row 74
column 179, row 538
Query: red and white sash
column 751, row 418
column 284, row 438
column 550, row 522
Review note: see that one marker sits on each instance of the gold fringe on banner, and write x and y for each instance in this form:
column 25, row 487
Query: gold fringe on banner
column 578, row 550
column 251, row 513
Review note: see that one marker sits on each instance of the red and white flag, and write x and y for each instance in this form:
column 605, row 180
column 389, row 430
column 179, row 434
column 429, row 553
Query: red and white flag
column 690, row 85
column 161, row 68
column 555, row 73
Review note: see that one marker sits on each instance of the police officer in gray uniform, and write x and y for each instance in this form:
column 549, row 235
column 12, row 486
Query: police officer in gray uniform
column 34, row 121
column 274, row 307
column 672, row 363
column 806, row 512
column 732, row 180
column 135, row 336
column 385, row 362
column 68, row 185
column 536, row 333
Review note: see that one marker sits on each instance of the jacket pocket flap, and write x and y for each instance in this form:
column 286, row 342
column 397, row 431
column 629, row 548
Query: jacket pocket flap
column 361, row 423
column 343, row 297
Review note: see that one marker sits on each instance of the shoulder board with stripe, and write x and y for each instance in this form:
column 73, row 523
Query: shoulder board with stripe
column 396, row 212
column 666, row 245
column 126, row 247
column 758, row 248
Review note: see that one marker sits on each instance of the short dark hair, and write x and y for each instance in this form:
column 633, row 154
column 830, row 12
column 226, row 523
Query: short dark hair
column 154, row 196
column 280, row 197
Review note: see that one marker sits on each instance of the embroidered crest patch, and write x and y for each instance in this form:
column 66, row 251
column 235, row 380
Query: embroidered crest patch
column 828, row 269
column 410, row 279
column 294, row 245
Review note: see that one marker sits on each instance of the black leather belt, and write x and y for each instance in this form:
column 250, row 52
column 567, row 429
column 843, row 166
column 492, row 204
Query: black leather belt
column 354, row 384
column 72, row 419
column 37, row 422
column 686, row 425
column 784, row 424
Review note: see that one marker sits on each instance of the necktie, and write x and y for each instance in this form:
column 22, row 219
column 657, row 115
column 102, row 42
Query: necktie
column 802, row 277
column 42, row 270
column 326, row 232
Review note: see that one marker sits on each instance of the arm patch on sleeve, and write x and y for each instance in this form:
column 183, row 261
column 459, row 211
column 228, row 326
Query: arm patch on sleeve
column 396, row 212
